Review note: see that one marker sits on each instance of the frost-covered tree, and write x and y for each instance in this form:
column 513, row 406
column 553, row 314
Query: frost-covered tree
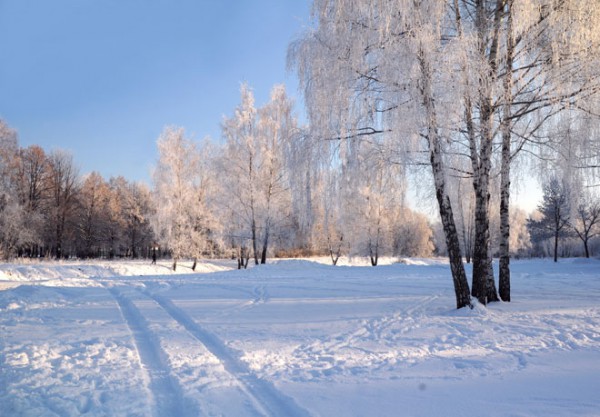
column 373, row 68
column 256, row 185
column 275, row 129
column 297, row 166
column 575, row 148
column 547, row 62
column 413, row 235
column 93, row 201
column 520, row 240
column 33, row 189
column 463, row 199
column 524, row 63
column 136, row 210
column 303, row 157
column 240, row 170
column 376, row 204
column 586, row 221
column 180, row 220
column 11, row 213
column 401, row 67
column 64, row 183
column 112, row 231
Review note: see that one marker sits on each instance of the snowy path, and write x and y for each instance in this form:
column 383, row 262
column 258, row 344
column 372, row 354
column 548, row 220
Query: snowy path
column 166, row 392
column 265, row 394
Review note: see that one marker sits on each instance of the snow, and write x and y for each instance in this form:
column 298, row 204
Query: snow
column 295, row 338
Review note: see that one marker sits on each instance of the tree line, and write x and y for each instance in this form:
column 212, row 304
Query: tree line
column 267, row 189
column 47, row 209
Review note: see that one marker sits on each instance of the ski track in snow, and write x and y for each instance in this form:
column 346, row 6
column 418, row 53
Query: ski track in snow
column 166, row 392
column 261, row 391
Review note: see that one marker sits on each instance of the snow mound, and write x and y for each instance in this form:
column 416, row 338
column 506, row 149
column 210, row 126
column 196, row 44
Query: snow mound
column 80, row 273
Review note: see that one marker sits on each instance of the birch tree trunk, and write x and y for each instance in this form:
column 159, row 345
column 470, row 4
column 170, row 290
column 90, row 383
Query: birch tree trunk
column 267, row 221
column 254, row 239
column 484, row 288
column 252, row 205
column 480, row 154
column 556, row 233
column 504, row 272
column 263, row 256
column 459, row 277
column 374, row 251
column 335, row 254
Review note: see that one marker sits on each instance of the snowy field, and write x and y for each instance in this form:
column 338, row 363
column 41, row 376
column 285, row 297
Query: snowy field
column 295, row 338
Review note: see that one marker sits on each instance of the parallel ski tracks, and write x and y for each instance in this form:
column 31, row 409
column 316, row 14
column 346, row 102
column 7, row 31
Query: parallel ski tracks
column 165, row 389
column 168, row 400
column 272, row 401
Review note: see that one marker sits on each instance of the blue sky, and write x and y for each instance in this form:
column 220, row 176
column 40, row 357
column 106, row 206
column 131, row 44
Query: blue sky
column 101, row 78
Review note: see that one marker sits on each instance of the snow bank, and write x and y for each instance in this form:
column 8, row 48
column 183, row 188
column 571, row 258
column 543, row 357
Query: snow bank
column 78, row 273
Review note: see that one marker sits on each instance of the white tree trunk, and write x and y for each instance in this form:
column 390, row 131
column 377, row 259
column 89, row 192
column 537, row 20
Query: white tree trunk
column 504, row 270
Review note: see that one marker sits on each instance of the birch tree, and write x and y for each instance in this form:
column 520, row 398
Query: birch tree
column 180, row 213
column 303, row 158
column 253, row 162
column 546, row 62
column 376, row 203
column 367, row 69
column 513, row 66
column 276, row 127
column 240, row 164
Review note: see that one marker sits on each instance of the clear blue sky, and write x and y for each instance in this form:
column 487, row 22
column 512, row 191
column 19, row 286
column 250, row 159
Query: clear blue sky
column 101, row 78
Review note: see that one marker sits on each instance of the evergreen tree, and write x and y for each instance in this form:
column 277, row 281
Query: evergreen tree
column 555, row 209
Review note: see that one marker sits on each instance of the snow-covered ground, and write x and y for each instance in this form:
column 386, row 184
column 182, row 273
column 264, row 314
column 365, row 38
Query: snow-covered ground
column 295, row 338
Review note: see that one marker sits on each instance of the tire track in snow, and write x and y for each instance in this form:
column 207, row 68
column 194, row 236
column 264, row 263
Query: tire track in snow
column 273, row 402
column 166, row 392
